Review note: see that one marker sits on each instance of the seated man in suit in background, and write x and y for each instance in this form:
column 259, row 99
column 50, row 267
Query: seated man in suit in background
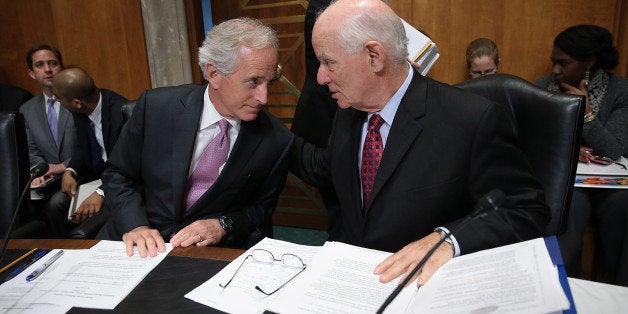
column 49, row 126
column 98, row 120
column 408, row 156
column 203, row 165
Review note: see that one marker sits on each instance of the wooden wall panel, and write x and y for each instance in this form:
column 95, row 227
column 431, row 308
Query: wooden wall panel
column 105, row 37
column 524, row 30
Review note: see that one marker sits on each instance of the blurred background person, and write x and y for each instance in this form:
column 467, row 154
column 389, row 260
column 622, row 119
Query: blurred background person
column 581, row 58
column 49, row 128
column 482, row 57
column 98, row 121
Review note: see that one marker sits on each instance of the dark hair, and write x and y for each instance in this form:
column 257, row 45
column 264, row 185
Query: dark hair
column 30, row 52
column 585, row 41
column 482, row 47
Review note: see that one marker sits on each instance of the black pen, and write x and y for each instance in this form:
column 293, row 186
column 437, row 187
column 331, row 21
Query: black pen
column 21, row 268
column 43, row 267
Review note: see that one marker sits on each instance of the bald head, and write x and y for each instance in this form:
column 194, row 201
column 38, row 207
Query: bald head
column 76, row 90
column 354, row 22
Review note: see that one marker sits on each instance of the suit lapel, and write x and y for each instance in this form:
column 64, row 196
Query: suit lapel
column 186, row 118
column 249, row 139
column 404, row 131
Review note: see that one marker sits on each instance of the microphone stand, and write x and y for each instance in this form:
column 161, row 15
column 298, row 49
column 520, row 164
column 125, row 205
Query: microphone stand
column 493, row 198
column 5, row 242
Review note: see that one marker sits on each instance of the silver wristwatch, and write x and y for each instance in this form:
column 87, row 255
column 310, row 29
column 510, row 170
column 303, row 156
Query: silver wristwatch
column 443, row 234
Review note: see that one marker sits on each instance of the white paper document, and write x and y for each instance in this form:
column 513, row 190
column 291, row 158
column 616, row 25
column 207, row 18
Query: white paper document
column 607, row 170
column 100, row 278
column 518, row 278
column 421, row 48
column 240, row 296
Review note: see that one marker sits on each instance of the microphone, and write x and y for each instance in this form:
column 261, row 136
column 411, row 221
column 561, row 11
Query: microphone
column 35, row 172
column 39, row 170
column 486, row 204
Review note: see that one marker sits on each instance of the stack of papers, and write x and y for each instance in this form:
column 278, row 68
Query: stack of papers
column 518, row 278
column 98, row 278
column 421, row 48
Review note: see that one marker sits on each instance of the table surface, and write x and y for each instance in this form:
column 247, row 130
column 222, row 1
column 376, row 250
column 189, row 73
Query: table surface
column 206, row 252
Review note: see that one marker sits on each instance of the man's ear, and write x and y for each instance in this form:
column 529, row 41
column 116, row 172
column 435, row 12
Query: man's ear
column 76, row 104
column 376, row 53
column 212, row 75
column 31, row 73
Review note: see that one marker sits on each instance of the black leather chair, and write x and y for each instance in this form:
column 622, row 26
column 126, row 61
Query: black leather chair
column 90, row 227
column 549, row 127
column 15, row 167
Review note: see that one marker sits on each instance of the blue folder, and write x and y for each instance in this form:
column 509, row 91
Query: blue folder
column 554, row 251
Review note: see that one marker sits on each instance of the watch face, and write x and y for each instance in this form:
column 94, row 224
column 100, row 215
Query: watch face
column 226, row 223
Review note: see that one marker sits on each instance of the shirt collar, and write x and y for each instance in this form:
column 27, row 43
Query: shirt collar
column 96, row 115
column 210, row 116
column 390, row 109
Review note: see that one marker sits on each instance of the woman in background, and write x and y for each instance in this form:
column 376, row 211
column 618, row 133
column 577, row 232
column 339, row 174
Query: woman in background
column 482, row 57
column 581, row 58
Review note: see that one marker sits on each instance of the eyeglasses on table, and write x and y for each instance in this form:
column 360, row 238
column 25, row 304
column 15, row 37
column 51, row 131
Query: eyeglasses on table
column 264, row 256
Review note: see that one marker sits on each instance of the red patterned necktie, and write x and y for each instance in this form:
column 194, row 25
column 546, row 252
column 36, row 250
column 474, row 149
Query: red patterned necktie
column 206, row 171
column 371, row 156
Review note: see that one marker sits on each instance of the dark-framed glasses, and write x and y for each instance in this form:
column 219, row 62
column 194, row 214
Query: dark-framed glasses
column 263, row 256
column 475, row 74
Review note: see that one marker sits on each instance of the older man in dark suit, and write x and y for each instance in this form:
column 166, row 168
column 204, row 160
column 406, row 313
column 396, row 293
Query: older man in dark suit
column 409, row 157
column 203, row 165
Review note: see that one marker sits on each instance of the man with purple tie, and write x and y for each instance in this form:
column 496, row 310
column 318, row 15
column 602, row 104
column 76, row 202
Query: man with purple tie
column 49, row 126
column 203, row 165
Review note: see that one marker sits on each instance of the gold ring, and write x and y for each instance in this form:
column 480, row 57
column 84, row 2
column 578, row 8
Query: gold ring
column 200, row 239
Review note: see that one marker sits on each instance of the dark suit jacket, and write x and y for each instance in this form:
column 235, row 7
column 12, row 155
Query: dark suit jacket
column 315, row 109
column 445, row 150
column 112, row 121
column 12, row 97
column 42, row 147
column 146, row 176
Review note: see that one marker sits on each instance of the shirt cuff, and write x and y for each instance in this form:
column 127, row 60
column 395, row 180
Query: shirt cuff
column 453, row 240
column 74, row 173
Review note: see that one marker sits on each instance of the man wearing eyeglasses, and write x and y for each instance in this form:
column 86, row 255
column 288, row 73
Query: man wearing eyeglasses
column 49, row 126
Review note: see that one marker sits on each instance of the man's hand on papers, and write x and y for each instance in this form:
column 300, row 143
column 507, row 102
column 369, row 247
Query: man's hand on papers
column 201, row 232
column 148, row 241
column 90, row 206
column 68, row 183
column 407, row 258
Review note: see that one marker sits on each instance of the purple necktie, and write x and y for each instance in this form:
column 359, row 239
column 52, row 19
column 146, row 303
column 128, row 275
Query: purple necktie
column 371, row 156
column 52, row 119
column 206, row 171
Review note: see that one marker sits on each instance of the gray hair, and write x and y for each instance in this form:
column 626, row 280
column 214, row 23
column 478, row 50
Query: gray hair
column 384, row 27
column 223, row 43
